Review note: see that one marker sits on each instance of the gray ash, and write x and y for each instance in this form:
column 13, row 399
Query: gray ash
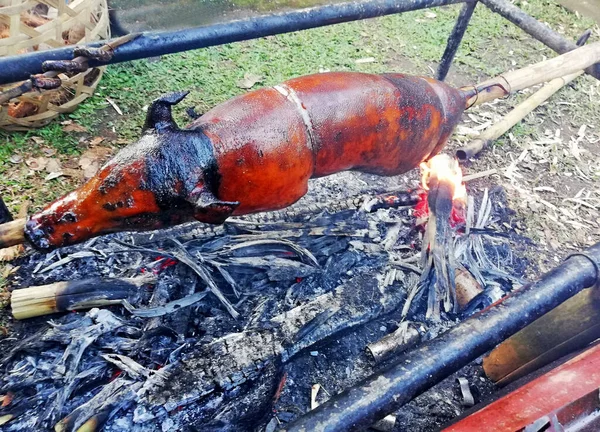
column 311, row 293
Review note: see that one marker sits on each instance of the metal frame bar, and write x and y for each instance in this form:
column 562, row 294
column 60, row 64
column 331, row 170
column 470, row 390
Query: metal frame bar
column 536, row 29
column 152, row 44
column 382, row 393
column 455, row 39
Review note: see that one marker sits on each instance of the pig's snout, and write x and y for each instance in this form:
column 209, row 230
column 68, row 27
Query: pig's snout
column 37, row 235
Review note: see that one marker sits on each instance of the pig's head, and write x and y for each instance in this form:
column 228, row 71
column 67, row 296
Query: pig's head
column 165, row 178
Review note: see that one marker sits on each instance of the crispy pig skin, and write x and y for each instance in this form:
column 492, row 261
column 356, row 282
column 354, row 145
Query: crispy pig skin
column 255, row 152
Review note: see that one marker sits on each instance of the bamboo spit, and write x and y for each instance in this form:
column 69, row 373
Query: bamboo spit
column 556, row 67
column 520, row 111
column 11, row 233
column 74, row 295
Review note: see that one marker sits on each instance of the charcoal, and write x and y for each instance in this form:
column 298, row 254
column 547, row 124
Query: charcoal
column 309, row 292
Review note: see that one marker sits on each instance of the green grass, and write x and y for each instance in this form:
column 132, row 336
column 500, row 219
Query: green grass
column 409, row 42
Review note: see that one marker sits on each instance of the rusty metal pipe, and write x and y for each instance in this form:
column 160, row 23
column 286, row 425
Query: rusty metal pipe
column 422, row 368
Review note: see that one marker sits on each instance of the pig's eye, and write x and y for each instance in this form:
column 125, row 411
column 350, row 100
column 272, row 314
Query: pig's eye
column 68, row 217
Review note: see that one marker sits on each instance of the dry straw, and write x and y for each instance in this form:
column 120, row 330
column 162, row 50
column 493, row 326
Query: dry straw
column 32, row 25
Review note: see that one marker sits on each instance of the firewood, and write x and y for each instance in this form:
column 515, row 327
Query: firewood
column 73, row 295
column 467, row 287
column 404, row 338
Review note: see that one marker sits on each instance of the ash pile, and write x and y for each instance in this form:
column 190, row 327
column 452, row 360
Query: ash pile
column 249, row 325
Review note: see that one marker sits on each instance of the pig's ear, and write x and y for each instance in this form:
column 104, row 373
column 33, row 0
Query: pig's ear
column 159, row 115
column 209, row 209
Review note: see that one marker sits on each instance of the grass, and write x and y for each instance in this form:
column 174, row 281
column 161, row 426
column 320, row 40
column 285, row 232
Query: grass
column 410, row 42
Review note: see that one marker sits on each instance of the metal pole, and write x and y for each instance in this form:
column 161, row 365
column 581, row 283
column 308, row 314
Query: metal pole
column 151, row 44
column 536, row 29
column 422, row 368
column 455, row 38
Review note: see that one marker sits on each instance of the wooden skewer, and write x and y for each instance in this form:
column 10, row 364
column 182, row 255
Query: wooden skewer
column 11, row 233
column 74, row 295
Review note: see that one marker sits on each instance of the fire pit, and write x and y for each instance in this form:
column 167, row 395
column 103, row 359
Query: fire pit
column 249, row 325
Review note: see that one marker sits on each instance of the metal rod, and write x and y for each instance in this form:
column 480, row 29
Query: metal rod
column 536, row 29
column 422, row 368
column 151, row 44
column 455, row 38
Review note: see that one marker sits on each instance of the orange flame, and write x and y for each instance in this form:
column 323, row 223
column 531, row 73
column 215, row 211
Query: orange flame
column 446, row 169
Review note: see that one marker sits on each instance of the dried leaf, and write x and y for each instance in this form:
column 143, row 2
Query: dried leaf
column 249, row 80
column 91, row 159
column 37, row 164
column 89, row 167
column 16, row 159
column 114, row 105
column 467, row 131
column 10, row 254
column 100, row 153
column 74, row 127
column 365, row 60
column 53, row 175
column 48, row 151
column 70, row 172
column 38, row 140
column 96, row 140
column 91, row 170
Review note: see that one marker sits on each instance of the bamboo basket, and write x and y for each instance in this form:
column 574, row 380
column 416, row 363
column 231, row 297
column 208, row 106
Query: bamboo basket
column 32, row 25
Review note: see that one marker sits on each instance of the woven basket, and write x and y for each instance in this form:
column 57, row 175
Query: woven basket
column 32, row 25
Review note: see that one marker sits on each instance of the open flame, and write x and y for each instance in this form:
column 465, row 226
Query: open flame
column 442, row 169
column 445, row 169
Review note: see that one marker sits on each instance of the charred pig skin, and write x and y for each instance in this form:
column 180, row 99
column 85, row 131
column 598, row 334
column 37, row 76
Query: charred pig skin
column 255, row 152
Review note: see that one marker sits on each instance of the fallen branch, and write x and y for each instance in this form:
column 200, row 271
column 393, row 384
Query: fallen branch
column 478, row 175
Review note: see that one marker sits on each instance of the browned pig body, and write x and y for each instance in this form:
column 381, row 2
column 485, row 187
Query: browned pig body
column 256, row 152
